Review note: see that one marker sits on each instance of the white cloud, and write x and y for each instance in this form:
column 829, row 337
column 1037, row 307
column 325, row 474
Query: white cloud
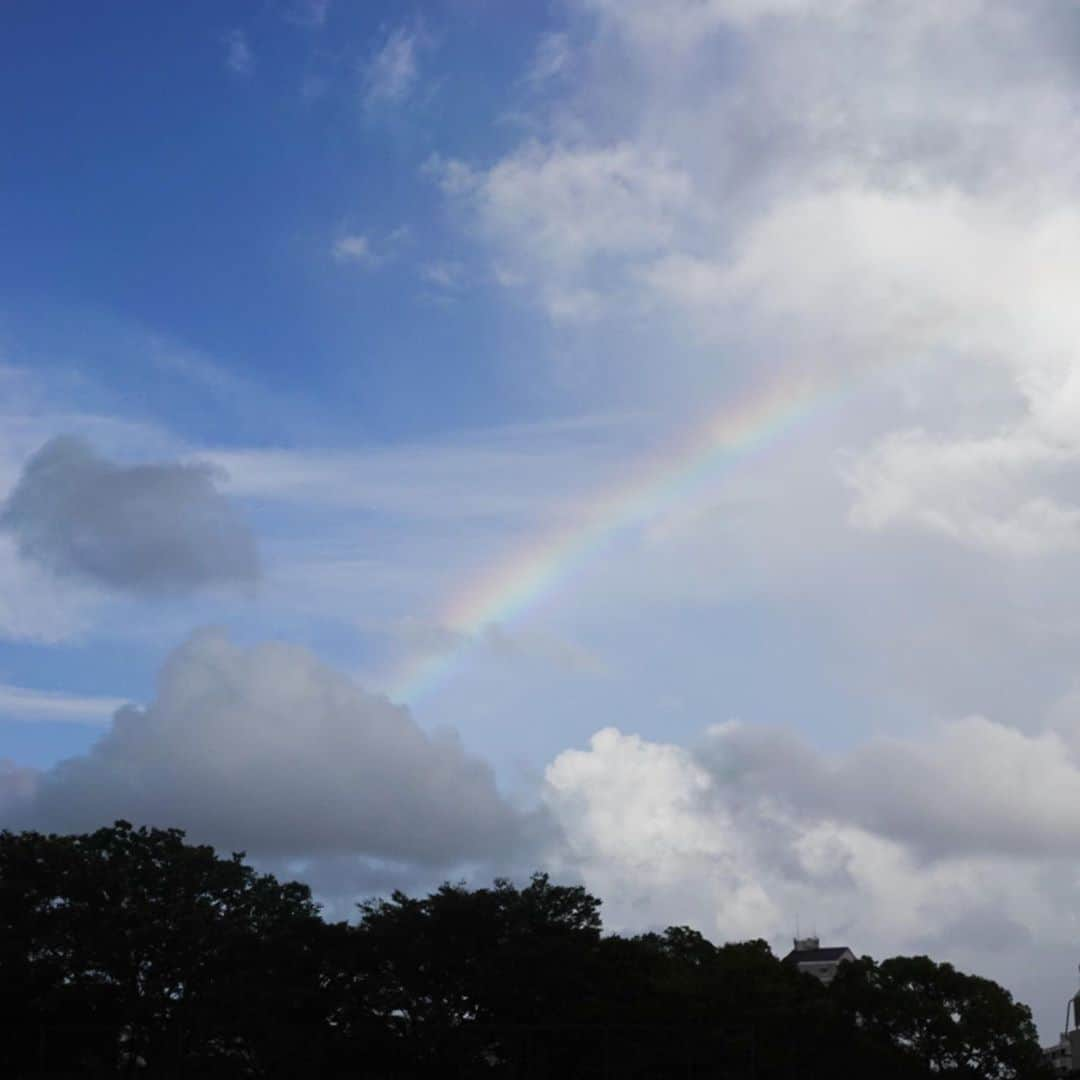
column 637, row 828
column 556, row 213
column 906, row 210
column 391, row 74
column 198, row 369
column 354, row 248
column 22, row 703
column 445, row 274
column 886, row 848
column 239, row 58
column 360, row 250
column 551, row 59
column 527, row 473
column 978, row 492
column 684, row 21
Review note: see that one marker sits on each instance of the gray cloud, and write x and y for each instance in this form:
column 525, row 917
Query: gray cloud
column 142, row 528
column 266, row 749
column 982, row 930
column 969, row 788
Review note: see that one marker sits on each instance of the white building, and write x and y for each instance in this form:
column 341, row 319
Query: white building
column 810, row 957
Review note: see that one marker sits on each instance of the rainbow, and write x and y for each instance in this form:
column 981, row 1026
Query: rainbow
column 741, row 428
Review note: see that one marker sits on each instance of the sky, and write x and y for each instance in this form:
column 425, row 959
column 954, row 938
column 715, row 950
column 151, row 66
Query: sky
column 634, row 439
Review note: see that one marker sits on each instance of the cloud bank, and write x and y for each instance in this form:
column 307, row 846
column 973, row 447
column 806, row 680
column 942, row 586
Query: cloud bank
column 268, row 750
column 891, row 845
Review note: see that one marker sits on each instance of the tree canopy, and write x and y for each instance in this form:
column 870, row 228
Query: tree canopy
column 953, row 1023
column 128, row 951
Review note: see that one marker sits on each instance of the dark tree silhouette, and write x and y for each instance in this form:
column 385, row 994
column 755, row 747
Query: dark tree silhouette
column 130, row 952
column 128, row 946
column 953, row 1024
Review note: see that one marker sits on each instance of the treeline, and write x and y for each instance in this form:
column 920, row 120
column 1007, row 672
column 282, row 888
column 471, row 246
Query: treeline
column 129, row 952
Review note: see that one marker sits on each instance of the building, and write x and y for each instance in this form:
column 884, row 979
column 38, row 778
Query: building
column 808, row 956
column 1059, row 1056
column 1064, row 1055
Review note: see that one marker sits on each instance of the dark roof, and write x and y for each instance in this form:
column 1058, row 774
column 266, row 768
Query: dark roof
column 816, row 956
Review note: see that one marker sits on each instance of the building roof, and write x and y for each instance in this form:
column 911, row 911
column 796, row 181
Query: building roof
column 818, row 956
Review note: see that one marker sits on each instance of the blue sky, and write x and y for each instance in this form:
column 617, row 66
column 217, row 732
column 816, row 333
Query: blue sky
column 183, row 199
column 140, row 153
column 316, row 314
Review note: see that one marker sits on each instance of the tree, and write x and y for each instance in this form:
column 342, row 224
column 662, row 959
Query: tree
column 128, row 945
column 129, row 950
column 951, row 1023
column 450, row 975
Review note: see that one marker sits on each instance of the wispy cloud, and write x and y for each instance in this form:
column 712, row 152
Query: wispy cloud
column 445, row 274
column 354, row 248
column 239, row 58
column 360, row 249
column 525, row 472
column 391, row 74
column 21, row 703
column 551, row 59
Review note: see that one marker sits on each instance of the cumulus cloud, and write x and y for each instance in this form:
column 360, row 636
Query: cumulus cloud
column 268, row 750
column 993, row 493
column 140, row 528
column 638, row 826
column 962, row 834
column 973, row 787
column 846, row 189
column 559, row 215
